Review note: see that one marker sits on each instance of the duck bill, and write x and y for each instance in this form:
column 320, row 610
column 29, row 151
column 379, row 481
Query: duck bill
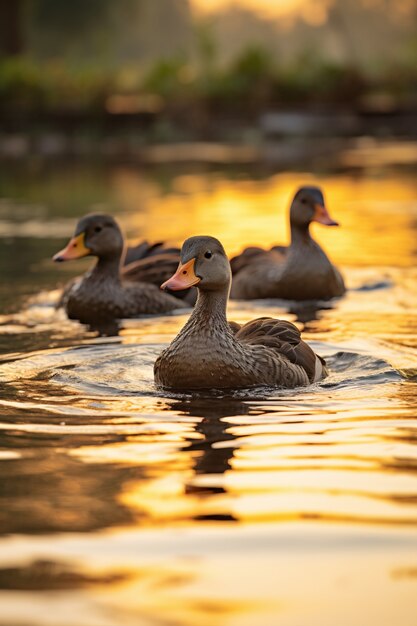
column 75, row 249
column 322, row 216
column 183, row 278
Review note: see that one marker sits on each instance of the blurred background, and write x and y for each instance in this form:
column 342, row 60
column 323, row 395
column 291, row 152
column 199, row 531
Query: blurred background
column 203, row 69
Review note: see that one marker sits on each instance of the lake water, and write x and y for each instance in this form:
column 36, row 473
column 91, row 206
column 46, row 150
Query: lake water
column 124, row 506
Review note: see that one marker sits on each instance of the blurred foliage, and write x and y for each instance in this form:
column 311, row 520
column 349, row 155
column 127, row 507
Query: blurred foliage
column 28, row 88
column 100, row 58
column 250, row 76
column 312, row 80
column 169, row 78
column 249, row 84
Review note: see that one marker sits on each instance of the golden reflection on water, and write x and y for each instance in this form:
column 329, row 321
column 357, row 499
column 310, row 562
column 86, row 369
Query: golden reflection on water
column 123, row 506
column 377, row 215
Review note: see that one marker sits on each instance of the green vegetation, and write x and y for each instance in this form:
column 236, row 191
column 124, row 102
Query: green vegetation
column 247, row 85
column 101, row 60
column 28, row 89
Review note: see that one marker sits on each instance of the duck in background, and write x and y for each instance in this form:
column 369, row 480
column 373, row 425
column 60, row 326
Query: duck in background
column 301, row 271
column 212, row 353
column 111, row 291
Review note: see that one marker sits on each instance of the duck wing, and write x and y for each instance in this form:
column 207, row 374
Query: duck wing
column 280, row 249
column 283, row 337
column 154, row 269
column 144, row 250
column 254, row 254
column 235, row 327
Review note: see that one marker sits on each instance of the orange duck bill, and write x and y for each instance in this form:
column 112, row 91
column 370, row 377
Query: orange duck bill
column 75, row 250
column 183, row 278
column 322, row 216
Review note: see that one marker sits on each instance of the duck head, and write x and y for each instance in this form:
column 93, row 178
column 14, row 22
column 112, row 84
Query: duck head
column 97, row 235
column 308, row 206
column 204, row 264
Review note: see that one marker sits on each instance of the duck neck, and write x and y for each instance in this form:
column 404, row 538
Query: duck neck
column 107, row 268
column 304, row 251
column 210, row 309
column 300, row 235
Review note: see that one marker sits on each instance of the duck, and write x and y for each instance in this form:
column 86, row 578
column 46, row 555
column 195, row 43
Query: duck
column 210, row 353
column 110, row 291
column 301, row 271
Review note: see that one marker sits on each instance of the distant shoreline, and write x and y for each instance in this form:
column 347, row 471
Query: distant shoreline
column 281, row 138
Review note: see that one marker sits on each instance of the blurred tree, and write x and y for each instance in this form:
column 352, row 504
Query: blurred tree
column 56, row 21
column 11, row 37
column 158, row 29
column 63, row 16
column 58, row 27
column 206, row 46
column 104, row 30
column 365, row 33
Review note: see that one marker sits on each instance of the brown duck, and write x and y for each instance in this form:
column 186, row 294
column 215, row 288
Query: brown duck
column 300, row 272
column 211, row 353
column 107, row 293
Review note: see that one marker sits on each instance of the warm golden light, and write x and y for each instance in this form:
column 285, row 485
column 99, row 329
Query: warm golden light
column 268, row 8
column 246, row 212
column 125, row 504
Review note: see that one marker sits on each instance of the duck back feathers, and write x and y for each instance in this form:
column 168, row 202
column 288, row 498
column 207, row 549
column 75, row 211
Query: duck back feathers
column 212, row 353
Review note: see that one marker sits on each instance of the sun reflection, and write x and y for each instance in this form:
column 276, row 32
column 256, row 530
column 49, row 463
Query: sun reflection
column 376, row 214
column 127, row 505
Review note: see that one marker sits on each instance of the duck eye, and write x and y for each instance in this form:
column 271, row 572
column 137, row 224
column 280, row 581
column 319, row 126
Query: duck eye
column 208, row 254
column 97, row 229
column 304, row 200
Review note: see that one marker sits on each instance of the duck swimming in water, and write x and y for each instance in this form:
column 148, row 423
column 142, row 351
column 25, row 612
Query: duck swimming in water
column 109, row 292
column 212, row 353
column 301, row 271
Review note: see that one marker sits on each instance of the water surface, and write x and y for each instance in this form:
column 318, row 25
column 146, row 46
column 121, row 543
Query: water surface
column 122, row 505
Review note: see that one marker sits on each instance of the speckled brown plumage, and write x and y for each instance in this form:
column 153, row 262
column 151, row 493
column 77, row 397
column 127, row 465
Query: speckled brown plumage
column 300, row 272
column 100, row 298
column 210, row 353
column 103, row 294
